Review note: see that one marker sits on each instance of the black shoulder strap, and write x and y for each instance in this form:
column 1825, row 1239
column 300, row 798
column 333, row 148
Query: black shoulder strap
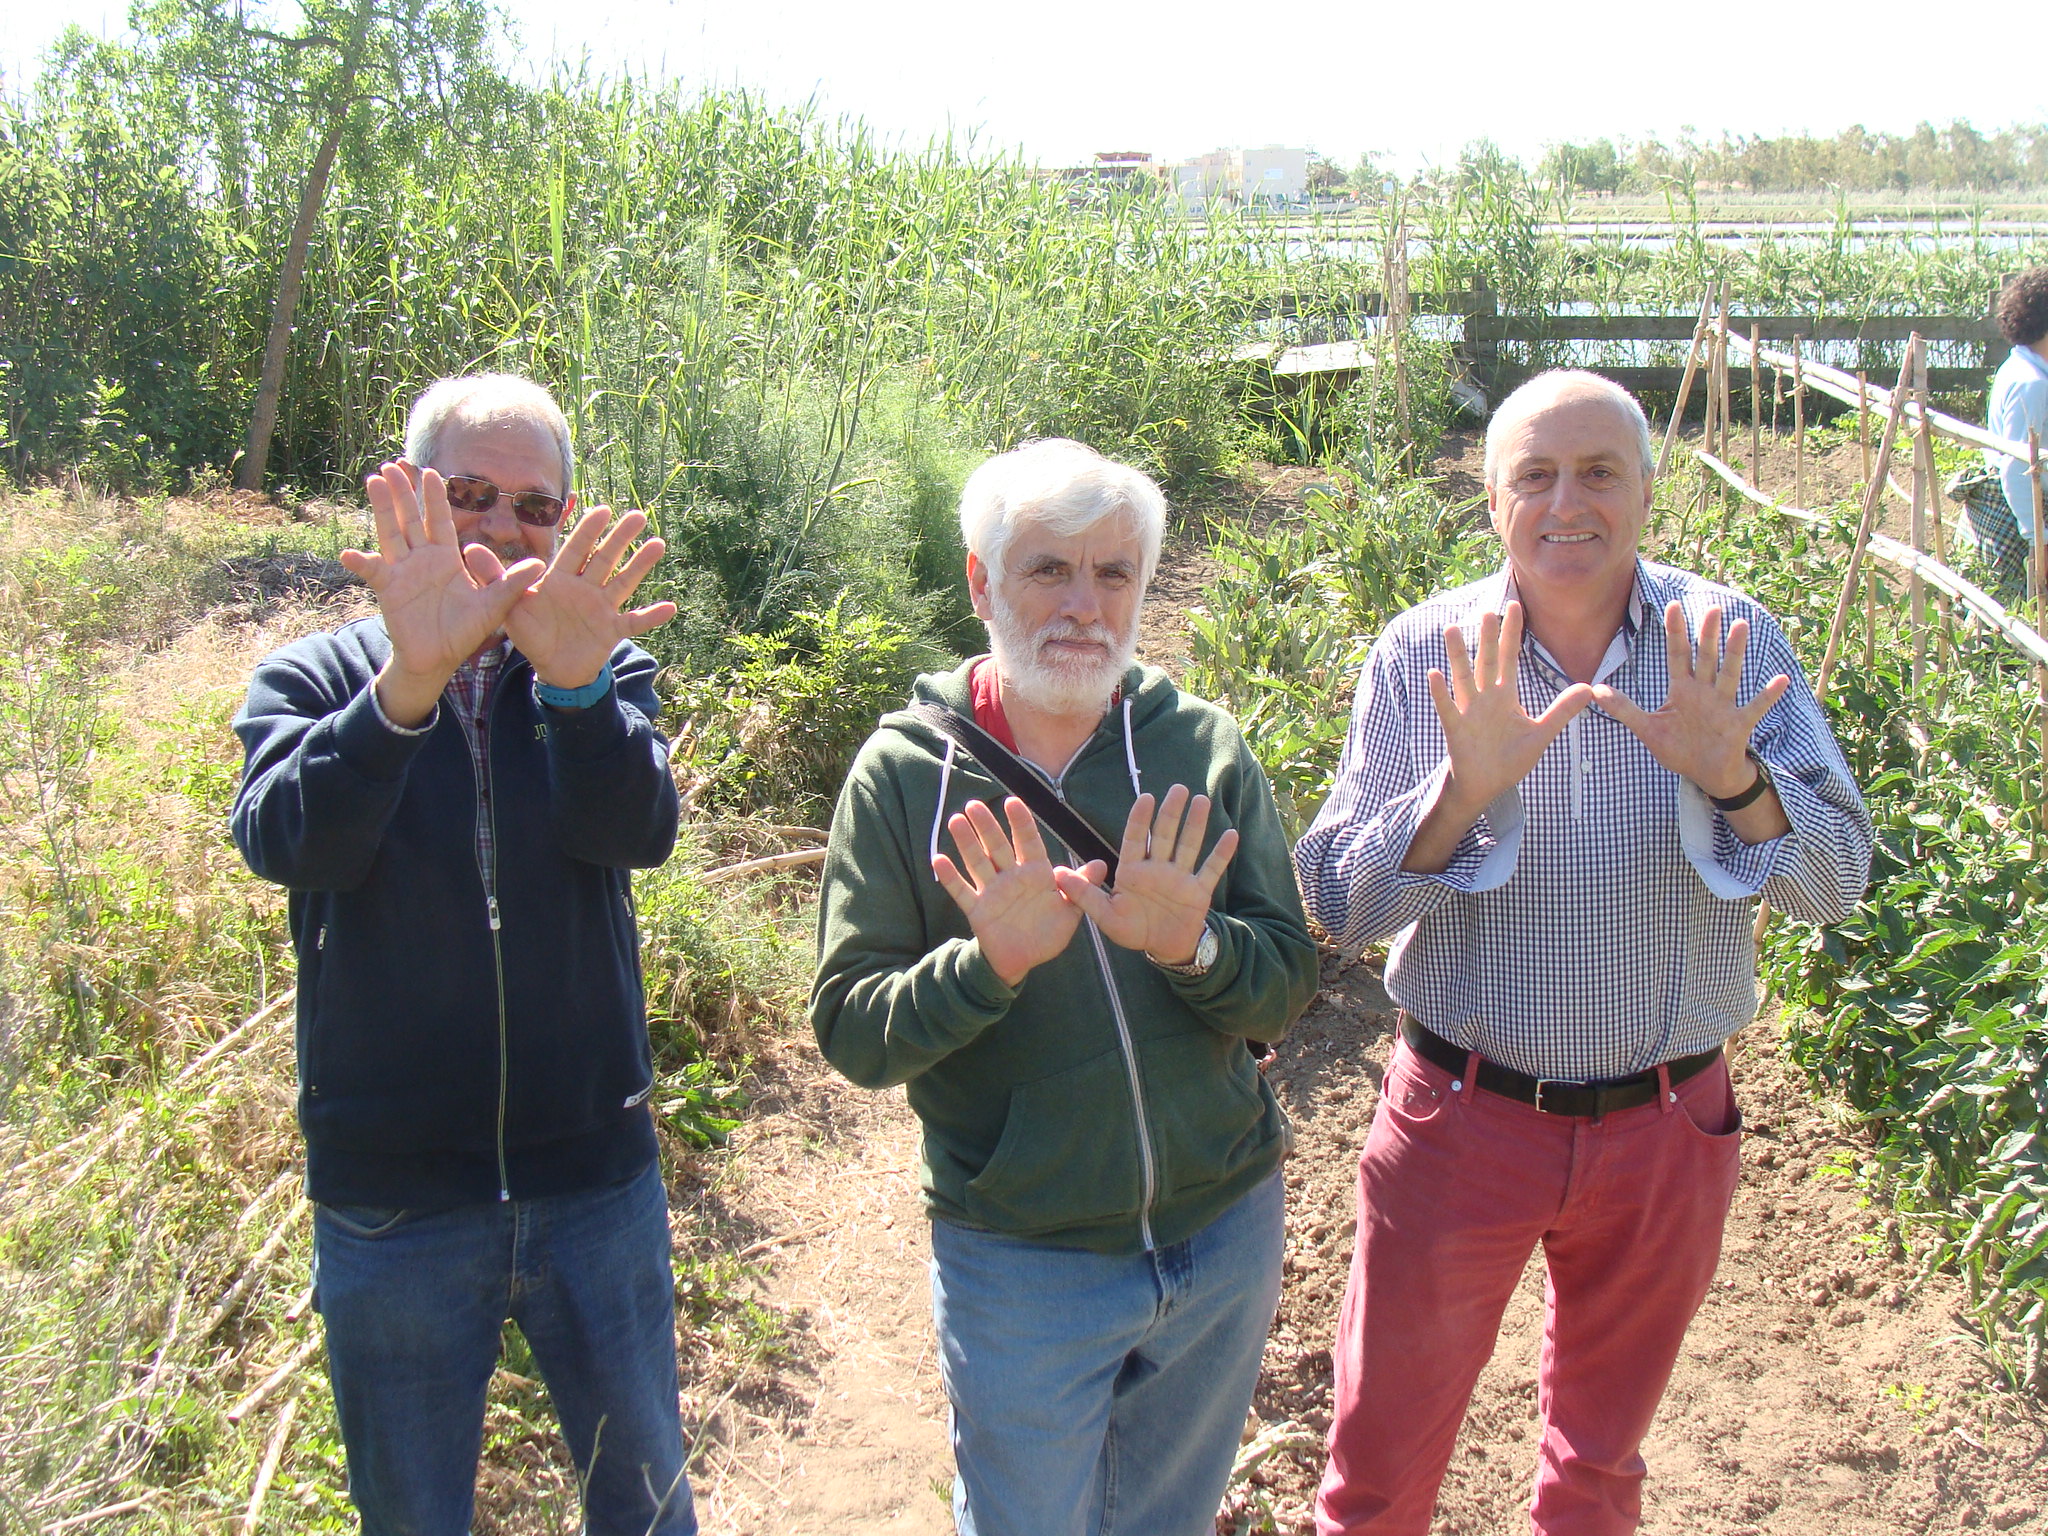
column 1019, row 779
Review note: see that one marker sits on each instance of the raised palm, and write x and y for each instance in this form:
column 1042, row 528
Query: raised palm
column 1162, row 895
column 1491, row 739
column 1008, row 891
column 440, row 600
column 1701, row 731
column 574, row 617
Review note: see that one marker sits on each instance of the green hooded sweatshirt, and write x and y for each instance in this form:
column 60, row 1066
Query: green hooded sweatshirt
column 1105, row 1103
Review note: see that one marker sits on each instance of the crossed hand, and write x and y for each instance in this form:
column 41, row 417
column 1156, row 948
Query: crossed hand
column 1701, row 732
column 441, row 600
column 1024, row 910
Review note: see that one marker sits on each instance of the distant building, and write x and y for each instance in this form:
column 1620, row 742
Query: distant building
column 1269, row 177
column 1109, row 168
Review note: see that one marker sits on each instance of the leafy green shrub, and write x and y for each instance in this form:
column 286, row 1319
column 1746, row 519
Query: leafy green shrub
column 1928, row 1007
column 1286, row 627
column 778, row 733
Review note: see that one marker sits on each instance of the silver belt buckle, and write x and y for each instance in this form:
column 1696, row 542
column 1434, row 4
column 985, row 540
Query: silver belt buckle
column 1549, row 1082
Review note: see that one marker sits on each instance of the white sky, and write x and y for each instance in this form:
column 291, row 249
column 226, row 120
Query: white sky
column 1064, row 78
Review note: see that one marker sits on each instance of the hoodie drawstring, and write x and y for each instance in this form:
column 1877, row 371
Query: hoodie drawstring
column 939, row 810
column 1131, row 751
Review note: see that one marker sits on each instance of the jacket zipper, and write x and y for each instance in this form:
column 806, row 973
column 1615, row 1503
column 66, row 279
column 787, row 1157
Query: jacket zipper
column 487, row 811
column 1148, row 1171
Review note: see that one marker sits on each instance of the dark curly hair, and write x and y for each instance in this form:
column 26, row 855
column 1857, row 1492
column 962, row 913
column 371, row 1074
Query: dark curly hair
column 2023, row 307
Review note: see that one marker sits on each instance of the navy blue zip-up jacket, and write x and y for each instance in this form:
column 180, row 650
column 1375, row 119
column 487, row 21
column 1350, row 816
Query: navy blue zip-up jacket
column 458, row 1044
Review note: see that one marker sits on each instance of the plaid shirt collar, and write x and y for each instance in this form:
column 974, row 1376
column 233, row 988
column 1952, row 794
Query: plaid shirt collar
column 1500, row 590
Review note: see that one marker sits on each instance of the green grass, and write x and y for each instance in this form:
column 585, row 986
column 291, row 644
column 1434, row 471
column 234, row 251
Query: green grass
column 143, row 1181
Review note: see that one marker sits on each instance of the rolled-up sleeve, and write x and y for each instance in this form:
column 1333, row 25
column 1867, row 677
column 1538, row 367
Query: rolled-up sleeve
column 1819, row 869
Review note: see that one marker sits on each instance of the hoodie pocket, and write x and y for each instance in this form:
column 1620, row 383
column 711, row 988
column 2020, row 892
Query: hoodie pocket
column 1210, row 1110
column 1068, row 1155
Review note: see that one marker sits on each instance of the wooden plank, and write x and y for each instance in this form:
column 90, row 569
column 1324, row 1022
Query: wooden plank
column 1940, row 381
column 1364, row 301
column 1658, row 380
column 1680, row 327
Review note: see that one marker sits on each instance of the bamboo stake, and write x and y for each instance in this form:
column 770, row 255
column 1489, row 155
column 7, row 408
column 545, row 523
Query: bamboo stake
column 1798, row 422
column 1928, row 489
column 273, row 1453
column 1727, row 409
column 1863, row 421
column 1873, row 497
column 772, row 861
column 1692, row 366
column 1916, row 589
column 1756, row 409
column 1870, row 584
column 2037, row 581
column 1709, row 409
column 275, row 1379
column 1400, row 319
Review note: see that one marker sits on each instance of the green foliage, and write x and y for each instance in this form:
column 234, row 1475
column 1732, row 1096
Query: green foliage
column 780, row 730
column 1928, row 1007
column 712, row 965
column 1287, row 625
column 1925, row 1007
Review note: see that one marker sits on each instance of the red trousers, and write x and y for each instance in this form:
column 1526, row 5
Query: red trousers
column 1455, row 1189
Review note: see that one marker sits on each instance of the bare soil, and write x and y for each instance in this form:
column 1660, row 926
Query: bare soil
column 1828, row 1387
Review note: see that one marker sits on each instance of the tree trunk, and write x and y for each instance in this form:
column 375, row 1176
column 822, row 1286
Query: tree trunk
column 249, row 475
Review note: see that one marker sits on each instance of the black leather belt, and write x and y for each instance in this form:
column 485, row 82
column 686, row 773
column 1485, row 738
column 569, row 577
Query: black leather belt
column 1553, row 1096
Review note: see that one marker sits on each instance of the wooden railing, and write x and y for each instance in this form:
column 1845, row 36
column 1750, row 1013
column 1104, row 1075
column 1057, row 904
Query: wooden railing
column 1486, row 330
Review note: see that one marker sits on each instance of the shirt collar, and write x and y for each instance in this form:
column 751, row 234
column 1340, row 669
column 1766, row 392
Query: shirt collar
column 1633, row 617
column 2032, row 359
column 1501, row 591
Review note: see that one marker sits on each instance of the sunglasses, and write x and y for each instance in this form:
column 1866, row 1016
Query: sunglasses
column 467, row 493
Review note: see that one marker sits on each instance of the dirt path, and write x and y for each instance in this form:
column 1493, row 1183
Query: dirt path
column 1822, row 1391
column 1827, row 1389
column 842, row 1429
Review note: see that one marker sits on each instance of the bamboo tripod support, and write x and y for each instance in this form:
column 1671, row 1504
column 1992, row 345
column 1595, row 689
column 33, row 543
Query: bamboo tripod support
column 1873, row 498
column 1692, row 368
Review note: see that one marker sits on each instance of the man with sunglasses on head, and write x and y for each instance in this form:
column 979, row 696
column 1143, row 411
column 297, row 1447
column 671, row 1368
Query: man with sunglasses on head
column 455, row 792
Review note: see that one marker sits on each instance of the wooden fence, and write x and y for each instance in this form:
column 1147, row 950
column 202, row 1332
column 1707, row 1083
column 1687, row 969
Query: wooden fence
column 1486, row 331
column 1923, row 555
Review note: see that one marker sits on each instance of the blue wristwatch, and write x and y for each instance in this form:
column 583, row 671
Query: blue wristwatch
column 575, row 698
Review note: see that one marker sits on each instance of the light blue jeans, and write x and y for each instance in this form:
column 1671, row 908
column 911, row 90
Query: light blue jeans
column 1096, row 1394
column 413, row 1304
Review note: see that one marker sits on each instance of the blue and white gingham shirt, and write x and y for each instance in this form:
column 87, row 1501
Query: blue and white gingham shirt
column 1596, row 920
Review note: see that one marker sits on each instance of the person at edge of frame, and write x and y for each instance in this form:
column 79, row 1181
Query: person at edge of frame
column 1101, row 1155
column 1564, row 787
column 455, row 793
column 1998, row 500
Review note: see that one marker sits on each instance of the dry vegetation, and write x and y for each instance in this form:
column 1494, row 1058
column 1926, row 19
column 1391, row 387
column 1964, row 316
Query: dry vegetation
column 159, row 1361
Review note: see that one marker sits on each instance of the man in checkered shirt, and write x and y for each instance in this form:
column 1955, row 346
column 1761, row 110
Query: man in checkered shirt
column 1561, row 817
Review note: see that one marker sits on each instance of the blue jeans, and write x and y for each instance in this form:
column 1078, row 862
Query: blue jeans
column 1098, row 1393
column 413, row 1305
